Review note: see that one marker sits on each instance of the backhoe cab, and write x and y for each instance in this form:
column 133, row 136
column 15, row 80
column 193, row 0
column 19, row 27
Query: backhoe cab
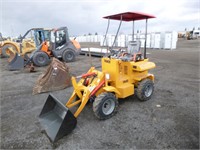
column 62, row 47
column 123, row 74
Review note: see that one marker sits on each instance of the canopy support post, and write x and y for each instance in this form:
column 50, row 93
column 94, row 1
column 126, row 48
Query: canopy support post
column 106, row 31
column 133, row 32
column 117, row 32
column 145, row 40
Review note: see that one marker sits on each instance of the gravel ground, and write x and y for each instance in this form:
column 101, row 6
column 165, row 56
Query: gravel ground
column 137, row 125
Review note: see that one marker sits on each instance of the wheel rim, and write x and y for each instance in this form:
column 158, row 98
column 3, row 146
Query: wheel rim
column 108, row 106
column 11, row 56
column 69, row 56
column 8, row 52
column 41, row 59
column 148, row 90
column 10, row 49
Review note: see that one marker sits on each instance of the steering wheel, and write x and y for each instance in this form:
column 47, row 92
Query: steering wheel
column 115, row 53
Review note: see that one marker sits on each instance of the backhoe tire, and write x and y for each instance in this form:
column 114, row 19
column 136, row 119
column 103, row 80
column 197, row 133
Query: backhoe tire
column 105, row 105
column 68, row 55
column 41, row 59
column 5, row 52
column 145, row 90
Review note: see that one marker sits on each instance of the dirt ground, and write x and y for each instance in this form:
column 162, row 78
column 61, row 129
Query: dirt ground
column 137, row 125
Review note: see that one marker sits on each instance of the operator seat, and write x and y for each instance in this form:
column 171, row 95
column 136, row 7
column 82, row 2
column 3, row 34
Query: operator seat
column 133, row 47
column 133, row 52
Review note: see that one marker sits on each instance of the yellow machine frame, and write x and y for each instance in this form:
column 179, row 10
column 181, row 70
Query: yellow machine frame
column 27, row 44
column 117, row 76
column 124, row 73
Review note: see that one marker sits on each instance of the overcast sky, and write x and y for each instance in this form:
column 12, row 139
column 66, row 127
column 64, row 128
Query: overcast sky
column 85, row 16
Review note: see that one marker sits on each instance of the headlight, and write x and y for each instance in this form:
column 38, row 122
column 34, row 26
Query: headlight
column 107, row 76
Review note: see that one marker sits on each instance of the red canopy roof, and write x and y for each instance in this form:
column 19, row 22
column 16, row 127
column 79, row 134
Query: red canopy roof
column 130, row 16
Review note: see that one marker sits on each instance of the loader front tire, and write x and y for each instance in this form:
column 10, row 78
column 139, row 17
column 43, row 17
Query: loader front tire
column 145, row 90
column 41, row 59
column 105, row 105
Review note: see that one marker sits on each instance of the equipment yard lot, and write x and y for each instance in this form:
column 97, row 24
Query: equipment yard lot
column 170, row 119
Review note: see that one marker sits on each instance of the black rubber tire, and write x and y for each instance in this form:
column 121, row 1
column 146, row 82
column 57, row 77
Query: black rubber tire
column 5, row 47
column 100, row 102
column 68, row 55
column 41, row 59
column 141, row 90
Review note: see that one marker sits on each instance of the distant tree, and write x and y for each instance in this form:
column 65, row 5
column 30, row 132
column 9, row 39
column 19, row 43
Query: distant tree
column 198, row 28
column 193, row 28
column 185, row 29
column 96, row 33
column 89, row 34
column 84, row 35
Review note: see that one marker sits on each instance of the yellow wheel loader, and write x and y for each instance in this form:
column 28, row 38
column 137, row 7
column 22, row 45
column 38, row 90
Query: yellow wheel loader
column 124, row 73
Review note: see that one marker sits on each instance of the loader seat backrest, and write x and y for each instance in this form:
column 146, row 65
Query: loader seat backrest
column 133, row 47
column 133, row 52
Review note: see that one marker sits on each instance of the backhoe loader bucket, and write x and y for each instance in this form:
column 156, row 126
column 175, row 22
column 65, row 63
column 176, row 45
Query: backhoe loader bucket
column 56, row 119
column 16, row 62
column 56, row 77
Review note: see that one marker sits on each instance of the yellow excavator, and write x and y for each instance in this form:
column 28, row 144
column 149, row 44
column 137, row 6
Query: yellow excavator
column 123, row 73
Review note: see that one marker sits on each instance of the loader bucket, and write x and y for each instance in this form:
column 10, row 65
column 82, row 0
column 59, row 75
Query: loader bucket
column 56, row 77
column 16, row 63
column 56, row 119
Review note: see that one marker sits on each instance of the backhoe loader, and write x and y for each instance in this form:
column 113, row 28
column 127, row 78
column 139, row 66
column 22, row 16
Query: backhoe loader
column 123, row 74
column 17, row 51
column 27, row 43
column 58, row 45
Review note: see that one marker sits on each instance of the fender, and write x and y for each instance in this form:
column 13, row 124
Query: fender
column 111, row 89
column 16, row 45
column 151, row 77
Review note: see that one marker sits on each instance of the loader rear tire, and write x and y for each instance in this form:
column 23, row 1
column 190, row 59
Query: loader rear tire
column 145, row 90
column 105, row 105
column 68, row 55
column 5, row 52
column 41, row 59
